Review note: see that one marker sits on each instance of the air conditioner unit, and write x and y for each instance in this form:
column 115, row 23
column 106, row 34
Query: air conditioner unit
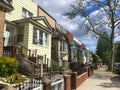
column 36, row 41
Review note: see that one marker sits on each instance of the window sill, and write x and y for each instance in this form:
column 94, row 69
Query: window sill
column 41, row 45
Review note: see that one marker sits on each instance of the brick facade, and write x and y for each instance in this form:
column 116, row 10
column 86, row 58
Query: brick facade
column 67, row 80
column 2, row 22
column 77, row 80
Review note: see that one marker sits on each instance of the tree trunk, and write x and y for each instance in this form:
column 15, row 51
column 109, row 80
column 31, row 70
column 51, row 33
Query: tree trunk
column 110, row 67
column 112, row 40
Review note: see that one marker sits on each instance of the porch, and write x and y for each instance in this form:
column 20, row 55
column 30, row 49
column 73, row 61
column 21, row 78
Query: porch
column 31, row 64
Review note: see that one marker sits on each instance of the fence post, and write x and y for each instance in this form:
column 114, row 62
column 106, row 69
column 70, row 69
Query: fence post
column 67, row 80
column 74, row 80
column 46, row 84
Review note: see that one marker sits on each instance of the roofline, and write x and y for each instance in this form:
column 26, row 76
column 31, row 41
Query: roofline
column 45, row 12
column 8, row 7
column 32, row 21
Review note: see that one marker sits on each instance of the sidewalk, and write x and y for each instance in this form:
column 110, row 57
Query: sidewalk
column 101, row 80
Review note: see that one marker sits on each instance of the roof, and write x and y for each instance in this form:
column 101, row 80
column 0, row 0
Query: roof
column 34, row 21
column 46, row 12
column 6, row 7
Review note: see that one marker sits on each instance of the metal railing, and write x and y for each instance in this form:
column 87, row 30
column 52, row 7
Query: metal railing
column 57, row 82
column 30, row 85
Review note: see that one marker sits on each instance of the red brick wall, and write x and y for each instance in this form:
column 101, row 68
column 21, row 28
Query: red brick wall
column 76, row 81
column 69, row 36
column 67, row 80
column 80, row 79
column 2, row 22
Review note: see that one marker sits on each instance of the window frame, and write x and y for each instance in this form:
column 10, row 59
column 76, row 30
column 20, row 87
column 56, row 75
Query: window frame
column 20, row 34
column 26, row 13
column 40, row 37
column 63, row 47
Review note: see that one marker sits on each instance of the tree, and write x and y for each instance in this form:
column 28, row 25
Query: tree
column 96, row 58
column 103, row 48
column 117, row 52
column 98, row 16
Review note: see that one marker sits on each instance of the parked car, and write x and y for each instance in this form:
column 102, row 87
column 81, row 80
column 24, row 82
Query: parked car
column 117, row 67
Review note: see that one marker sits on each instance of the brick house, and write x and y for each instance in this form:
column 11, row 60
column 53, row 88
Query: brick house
column 5, row 6
column 51, row 20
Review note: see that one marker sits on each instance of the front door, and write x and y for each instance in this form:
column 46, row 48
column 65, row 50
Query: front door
column 8, row 37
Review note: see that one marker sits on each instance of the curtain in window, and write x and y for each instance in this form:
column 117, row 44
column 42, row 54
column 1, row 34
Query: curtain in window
column 40, row 37
column 35, row 40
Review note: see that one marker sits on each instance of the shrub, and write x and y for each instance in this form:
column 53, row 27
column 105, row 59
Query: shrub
column 95, row 58
column 54, row 65
column 16, row 78
column 81, row 65
column 8, row 66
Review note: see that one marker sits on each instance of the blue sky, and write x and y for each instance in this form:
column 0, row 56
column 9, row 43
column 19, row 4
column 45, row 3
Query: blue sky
column 57, row 9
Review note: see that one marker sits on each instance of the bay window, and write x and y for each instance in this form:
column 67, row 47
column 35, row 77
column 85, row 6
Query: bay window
column 40, row 37
column 63, row 47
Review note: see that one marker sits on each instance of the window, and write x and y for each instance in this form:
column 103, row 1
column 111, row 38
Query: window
column 35, row 40
column 8, row 1
column 26, row 13
column 9, row 36
column 40, row 37
column 46, row 39
column 63, row 47
column 20, row 34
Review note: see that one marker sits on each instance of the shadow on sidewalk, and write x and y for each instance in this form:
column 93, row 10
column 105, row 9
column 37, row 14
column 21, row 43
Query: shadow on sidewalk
column 115, row 82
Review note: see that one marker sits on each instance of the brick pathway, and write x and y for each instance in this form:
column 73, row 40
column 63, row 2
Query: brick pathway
column 101, row 80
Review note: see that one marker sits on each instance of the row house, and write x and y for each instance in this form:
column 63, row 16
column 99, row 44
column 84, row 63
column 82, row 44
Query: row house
column 86, row 54
column 51, row 20
column 5, row 6
column 36, row 33
column 28, row 30
column 60, row 45
column 76, row 54
column 66, row 48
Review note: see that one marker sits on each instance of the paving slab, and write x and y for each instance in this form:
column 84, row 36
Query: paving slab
column 101, row 80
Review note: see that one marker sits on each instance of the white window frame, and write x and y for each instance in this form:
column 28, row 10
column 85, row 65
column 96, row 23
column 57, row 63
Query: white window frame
column 41, row 36
column 45, row 39
column 26, row 13
column 63, row 47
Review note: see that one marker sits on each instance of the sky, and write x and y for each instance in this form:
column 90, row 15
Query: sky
column 57, row 8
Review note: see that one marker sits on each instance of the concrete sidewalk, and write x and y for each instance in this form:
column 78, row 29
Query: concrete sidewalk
column 101, row 80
